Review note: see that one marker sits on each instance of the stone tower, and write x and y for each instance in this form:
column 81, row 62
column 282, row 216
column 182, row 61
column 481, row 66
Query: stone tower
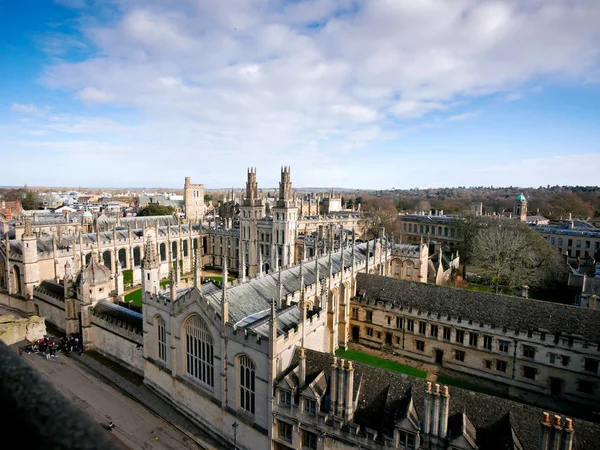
column 30, row 261
column 193, row 199
column 150, row 266
column 285, row 221
column 521, row 208
column 252, row 210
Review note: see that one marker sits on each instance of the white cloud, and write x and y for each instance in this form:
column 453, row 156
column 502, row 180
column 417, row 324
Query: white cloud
column 94, row 95
column 255, row 81
column 25, row 109
column 463, row 116
column 514, row 96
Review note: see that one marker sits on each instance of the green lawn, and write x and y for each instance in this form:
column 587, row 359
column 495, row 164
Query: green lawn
column 218, row 278
column 401, row 368
column 379, row 362
column 135, row 297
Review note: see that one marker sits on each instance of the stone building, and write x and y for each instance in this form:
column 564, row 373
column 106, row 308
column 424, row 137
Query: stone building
column 258, row 354
column 324, row 402
column 269, row 239
column 215, row 351
column 531, row 345
column 193, row 199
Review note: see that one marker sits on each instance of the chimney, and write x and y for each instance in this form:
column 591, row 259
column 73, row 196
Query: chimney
column 592, row 301
column 302, row 369
column 333, row 387
column 544, row 442
column 340, row 388
column 428, row 404
column 444, row 411
column 555, row 434
column 350, row 392
column 525, row 291
column 567, row 438
column 435, row 413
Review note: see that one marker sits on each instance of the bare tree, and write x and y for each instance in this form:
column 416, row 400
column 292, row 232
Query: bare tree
column 512, row 255
column 380, row 213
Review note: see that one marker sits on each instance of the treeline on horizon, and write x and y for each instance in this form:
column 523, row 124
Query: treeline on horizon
column 553, row 202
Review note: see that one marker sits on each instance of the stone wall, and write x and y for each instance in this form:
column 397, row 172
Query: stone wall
column 13, row 302
column 13, row 329
column 52, row 309
column 121, row 343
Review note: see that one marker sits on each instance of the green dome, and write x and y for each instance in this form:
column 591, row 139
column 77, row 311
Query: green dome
column 87, row 213
column 521, row 198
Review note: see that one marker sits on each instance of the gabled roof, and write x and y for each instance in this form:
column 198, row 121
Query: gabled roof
column 385, row 398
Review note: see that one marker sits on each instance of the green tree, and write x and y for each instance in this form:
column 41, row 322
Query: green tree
column 155, row 210
column 30, row 201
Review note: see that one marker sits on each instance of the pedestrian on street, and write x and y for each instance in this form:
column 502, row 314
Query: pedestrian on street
column 21, row 351
column 48, row 353
column 111, row 425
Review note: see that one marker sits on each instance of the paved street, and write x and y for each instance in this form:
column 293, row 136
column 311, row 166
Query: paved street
column 136, row 427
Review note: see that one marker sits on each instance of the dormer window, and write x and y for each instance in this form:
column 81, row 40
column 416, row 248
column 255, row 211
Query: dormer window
column 310, row 407
column 407, row 440
column 285, row 398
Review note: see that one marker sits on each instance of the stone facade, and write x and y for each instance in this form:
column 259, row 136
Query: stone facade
column 536, row 346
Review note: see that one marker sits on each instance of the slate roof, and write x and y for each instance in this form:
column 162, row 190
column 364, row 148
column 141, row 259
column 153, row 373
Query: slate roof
column 492, row 422
column 44, row 243
column 110, row 310
column 591, row 286
column 52, row 289
column 95, row 273
column 254, row 296
column 500, row 311
column 405, row 248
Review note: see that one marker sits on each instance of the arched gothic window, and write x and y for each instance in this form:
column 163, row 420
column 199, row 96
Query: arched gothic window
column 247, row 389
column 161, row 338
column 199, row 351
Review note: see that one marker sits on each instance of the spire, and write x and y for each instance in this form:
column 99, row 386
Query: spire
column 303, row 303
column 279, row 288
column 224, row 298
column 301, row 282
column 304, row 247
column 150, row 260
column 173, row 286
column 243, row 265
column 367, row 264
column 342, row 265
column 197, row 270
column 330, row 263
column 27, row 232
column 273, row 327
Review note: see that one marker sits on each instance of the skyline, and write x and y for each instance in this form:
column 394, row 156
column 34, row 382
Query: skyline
column 360, row 95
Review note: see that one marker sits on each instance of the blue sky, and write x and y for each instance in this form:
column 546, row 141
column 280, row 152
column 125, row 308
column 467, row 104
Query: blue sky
column 349, row 93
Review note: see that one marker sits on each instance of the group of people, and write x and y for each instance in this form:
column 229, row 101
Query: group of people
column 50, row 347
